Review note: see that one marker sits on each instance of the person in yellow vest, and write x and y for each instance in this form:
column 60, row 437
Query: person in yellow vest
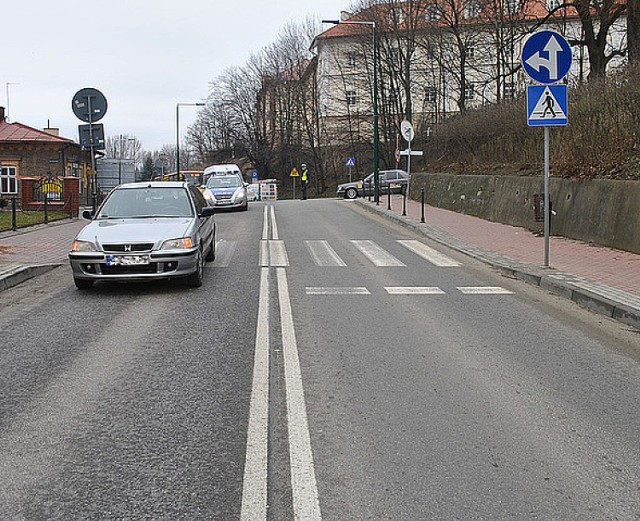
column 304, row 181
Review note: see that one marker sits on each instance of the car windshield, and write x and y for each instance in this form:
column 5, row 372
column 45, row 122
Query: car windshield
column 146, row 202
column 223, row 181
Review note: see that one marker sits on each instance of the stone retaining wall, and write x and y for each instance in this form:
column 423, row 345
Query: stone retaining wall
column 604, row 212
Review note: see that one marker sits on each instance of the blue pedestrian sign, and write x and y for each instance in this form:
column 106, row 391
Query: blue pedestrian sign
column 546, row 57
column 351, row 161
column 547, row 105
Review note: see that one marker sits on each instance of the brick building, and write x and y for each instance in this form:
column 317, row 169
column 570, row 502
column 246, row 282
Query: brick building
column 28, row 153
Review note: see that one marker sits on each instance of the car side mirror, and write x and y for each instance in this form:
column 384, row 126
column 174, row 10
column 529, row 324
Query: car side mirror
column 87, row 214
column 207, row 211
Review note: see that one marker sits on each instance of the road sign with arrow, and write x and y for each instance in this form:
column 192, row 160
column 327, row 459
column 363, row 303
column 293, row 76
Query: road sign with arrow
column 546, row 57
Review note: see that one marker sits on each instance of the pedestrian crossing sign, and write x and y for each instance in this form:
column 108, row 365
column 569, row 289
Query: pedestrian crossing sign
column 547, row 105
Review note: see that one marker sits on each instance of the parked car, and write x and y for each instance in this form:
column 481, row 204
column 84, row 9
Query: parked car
column 226, row 191
column 395, row 180
column 150, row 230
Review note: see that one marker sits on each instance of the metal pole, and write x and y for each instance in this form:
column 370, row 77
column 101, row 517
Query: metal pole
column 94, row 175
column 178, row 141
column 547, row 213
column 422, row 220
column 14, row 214
column 404, row 200
column 388, row 196
column 46, row 207
column 376, row 136
column 294, row 187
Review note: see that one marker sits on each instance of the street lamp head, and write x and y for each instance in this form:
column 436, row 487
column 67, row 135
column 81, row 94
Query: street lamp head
column 335, row 22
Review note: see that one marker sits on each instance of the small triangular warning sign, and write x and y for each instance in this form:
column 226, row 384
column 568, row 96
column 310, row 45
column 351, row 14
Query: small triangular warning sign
column 294, row 173
column 547, row 107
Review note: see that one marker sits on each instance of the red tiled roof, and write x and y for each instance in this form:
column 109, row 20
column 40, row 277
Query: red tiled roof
column 531, row 10
column 17, row 132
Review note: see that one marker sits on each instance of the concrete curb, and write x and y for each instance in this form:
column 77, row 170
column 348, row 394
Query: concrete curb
column 622, row 309
column 18, row 274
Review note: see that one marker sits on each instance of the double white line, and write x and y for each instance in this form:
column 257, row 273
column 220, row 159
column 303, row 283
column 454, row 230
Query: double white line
column 306, row 505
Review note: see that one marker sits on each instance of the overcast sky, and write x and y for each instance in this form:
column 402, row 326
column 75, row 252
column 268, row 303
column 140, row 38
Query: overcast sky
column 143, row 55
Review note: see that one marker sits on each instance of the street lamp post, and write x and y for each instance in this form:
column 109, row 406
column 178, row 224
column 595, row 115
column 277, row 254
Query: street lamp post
column 7, row 85
column 376, row 135
column 178, row 105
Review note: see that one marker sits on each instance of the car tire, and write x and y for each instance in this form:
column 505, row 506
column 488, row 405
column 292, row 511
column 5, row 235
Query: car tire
column 245, row 207
column 83, row 283
column 211, row 256
column 196, row 278
column 351, row 193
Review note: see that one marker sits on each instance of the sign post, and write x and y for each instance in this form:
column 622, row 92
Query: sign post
column 351, row 162
column 546, row 58
column 90, row 105
column 294, row 173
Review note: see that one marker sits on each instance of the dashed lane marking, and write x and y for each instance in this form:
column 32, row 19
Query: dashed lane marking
column 337, row 291
column 484, row 290
column 415, row 290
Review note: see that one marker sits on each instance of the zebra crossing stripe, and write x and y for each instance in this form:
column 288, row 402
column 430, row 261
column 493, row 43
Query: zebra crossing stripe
column 323, row 254
column 484, row 290
column 337, row 291
column 416, row 290
column 376, row 254
column 434, row 257
column 278, row 254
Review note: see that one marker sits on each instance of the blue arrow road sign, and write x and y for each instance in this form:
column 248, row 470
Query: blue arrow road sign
column 351, row 161
column 547, row 105
column 546, row 57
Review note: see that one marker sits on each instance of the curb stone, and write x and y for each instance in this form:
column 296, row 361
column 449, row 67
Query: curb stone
column 18, row 274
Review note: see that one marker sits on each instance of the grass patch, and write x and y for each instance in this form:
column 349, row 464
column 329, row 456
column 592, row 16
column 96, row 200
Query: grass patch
column 25, row 219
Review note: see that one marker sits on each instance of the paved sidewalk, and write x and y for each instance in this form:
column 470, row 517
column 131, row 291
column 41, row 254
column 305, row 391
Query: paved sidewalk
column 33, row 251
column 602, row 279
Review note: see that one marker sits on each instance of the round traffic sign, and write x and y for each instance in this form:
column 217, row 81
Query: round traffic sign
column 89, row 105
column 546, row 57
column 406, row 129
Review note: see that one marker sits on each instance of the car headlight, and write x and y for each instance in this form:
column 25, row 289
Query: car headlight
column 240, row 195
column 83, row 246
column 177, row 244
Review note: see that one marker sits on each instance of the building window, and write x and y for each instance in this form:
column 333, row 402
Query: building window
column 469, row 91
column 351, row 97
column 430, row 94
column 513, row 6
column 432, row 14
column 473, row 9
column 470, row 50
column 352, row 58
column 509, row 90
column 396, row 16
column 553, row 4
column 8, row 180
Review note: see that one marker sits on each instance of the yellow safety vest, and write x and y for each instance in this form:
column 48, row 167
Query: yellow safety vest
column 304, row 176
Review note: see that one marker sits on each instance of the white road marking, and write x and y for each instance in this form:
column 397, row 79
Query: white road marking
column 254, row 487
column 337, row 291
column 306, row 505
column 485, row 290
column 413, row 290
column 323, row 254
column 264, row 253
column 265, row 223
column 431, row 255
column 376, row 254
column 274, row 225
column 278, row 254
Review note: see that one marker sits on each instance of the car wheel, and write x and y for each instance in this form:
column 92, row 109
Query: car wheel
column 195, row 279
column 211, row 256
column 351, row 193
column 83, row 283
column 245, row 207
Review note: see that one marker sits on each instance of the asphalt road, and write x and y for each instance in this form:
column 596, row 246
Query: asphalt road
column 332, row 366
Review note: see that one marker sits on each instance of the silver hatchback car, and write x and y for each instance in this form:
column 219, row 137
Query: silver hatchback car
column 150, row 230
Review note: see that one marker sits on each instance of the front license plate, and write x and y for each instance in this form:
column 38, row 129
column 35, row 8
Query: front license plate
column 127, row 260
